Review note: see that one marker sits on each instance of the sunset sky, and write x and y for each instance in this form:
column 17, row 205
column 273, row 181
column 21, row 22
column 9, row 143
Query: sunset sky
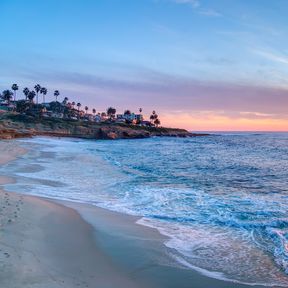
column 201, row 64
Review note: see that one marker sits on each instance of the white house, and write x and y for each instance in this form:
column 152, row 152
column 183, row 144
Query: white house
column 97, row 118
column 130, row 117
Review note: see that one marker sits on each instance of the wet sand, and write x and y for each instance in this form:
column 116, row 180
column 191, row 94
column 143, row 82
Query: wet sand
column 46, row 243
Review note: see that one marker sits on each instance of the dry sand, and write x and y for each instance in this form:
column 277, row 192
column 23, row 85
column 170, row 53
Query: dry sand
column 44, row 243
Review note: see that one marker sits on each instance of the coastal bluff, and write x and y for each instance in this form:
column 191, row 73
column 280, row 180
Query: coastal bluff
column 19, row 126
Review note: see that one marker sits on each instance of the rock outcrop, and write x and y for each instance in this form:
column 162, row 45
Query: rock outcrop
column 15, row 126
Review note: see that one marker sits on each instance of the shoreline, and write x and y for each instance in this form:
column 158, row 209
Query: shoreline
column 21, row 126
column 50, row 245
column 131, row 255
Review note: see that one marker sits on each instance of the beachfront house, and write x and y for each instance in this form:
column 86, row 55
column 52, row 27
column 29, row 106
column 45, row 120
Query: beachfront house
column 97, row 118
column 46, row 105
column 120, row 120
column 89, row 117
column 57, row 115
column 4, row 107
column 133, row 118
column 104, row 117
column 147, row 124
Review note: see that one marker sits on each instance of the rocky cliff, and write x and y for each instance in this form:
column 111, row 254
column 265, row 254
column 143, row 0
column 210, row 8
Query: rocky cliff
column 15, row 126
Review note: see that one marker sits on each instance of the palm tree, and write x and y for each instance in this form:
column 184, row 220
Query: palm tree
column 73, row 104
column 7, row 96
column 15, row 88
column 56, row 94
column 140, row 110
column 31, row 96
column 43, row 91
column 37, row 88
column 94, row 111
column 26, row 92
column 157, row 122
column 153, row 116
column 86, row 109
column 78, row 106
column 111, row 112
column 65, row 100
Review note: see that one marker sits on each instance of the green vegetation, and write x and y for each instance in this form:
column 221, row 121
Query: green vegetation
column 30, row 106
column 14, row 125
column 26, row 117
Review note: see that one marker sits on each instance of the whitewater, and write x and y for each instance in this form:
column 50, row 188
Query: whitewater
column 222, row 200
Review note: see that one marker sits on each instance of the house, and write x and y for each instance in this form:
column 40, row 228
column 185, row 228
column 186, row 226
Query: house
column 130, row 117
column 47, row 114
column 46, row 105
column 89, row 117
column 57, row 115
column 4, row 107
column 97, row 118
column 138, row 117
column 120, row 120
column 104, row 116
column 147, row 124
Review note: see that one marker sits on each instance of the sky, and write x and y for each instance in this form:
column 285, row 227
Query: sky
column 203, row 65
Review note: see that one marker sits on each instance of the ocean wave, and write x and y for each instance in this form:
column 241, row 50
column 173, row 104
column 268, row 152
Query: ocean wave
column 222, row 198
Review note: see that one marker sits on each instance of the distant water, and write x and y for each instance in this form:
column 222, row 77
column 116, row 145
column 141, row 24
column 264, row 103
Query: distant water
column 222, row 200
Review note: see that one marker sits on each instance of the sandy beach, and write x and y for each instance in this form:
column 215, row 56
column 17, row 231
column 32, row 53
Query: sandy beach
column 46, row 243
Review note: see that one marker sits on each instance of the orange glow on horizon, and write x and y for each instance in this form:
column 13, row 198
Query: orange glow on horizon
column 222, row 123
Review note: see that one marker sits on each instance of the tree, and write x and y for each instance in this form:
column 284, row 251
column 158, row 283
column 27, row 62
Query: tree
column 37, row 88
column 7, row 96
column 65, row 100
column 140, row 110
column 111, row 112
column 26, row 92
column 78, row 106
column 43, row 91
column 157, row 122
column 86, row 109
column 56, row 107
column 73, row 104
column 31, row 96
column 15, row 88
column 22, row 106
column 128, row 119
column 94, row 111
column 56, row 94
column 153, row 116
column 127, row 112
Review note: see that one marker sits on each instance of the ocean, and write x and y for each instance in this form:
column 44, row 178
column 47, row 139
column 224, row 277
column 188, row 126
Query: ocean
column 222, row 200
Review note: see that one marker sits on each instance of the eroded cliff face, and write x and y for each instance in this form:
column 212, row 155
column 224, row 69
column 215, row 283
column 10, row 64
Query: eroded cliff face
column 15, row 126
